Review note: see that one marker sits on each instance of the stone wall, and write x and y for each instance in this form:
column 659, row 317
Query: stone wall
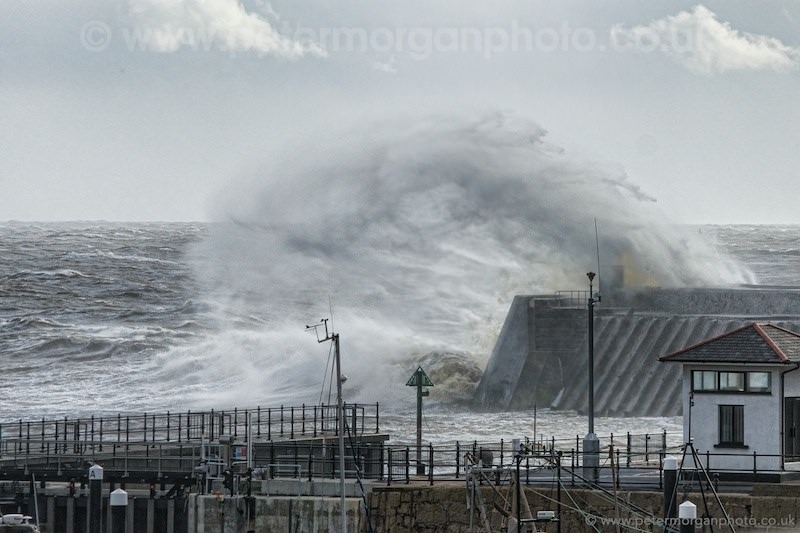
column 301, row 514
column 443, row 509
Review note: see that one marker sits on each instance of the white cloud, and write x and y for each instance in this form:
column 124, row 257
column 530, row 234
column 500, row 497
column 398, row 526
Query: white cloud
column 169, row 25
column 704, row 45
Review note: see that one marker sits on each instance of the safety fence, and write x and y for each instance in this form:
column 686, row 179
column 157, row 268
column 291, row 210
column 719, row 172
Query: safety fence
column 431, row 463
column 297, row 442
column 571, row 299
column 535, row 460
column 73, row 436
column 381, row 462
column 617, row 463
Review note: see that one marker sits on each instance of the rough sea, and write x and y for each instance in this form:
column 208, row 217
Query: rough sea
column 412, row 240
column 100, row 318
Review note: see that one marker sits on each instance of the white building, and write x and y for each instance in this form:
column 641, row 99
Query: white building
column 741, row 395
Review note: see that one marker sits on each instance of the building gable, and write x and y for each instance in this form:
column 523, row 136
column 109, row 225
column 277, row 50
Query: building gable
column 752, row 343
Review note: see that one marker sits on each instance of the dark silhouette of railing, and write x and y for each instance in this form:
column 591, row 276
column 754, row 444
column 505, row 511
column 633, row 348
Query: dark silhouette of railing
column 72, row 436
column 572, row 299
column 284, row 441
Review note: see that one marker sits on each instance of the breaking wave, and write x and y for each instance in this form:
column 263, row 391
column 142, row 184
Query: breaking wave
column 414, row 237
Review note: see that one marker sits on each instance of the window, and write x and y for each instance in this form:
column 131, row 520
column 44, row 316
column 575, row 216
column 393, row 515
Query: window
column 704, row 380
column 731, row 425
column 731, row 381
column 759, row 382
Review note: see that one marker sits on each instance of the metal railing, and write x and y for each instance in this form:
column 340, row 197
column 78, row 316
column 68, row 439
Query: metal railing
column 638, row 457
column 572, row 299
column 638, row 468
column 401, row 463
column 72, row 436
column 119, row 459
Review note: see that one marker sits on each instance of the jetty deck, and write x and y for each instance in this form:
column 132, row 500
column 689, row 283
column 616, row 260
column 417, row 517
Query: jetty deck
column 180, row 447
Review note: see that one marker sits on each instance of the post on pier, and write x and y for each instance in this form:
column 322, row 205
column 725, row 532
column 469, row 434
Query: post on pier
column 420, row 379
column 119, row 509
column 95, row 499
column 687, row 516
column 670, row 484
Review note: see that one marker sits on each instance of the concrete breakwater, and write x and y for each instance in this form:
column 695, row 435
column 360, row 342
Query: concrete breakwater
column 540, row 355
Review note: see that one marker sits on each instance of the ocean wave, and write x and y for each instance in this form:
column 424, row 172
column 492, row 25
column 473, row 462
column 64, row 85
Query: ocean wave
column 413, row 238
column 417, row 236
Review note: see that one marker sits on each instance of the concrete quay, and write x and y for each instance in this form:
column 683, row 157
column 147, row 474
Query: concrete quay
column 297, row 506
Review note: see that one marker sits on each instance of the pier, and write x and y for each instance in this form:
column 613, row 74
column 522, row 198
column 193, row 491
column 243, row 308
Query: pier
column 160, row 457
column 234, row 469
column 169, row 447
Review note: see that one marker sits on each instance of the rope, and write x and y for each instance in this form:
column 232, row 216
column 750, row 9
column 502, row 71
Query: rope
column 358, row 477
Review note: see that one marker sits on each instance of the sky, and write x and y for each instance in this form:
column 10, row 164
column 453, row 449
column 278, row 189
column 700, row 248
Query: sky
column 154, row 110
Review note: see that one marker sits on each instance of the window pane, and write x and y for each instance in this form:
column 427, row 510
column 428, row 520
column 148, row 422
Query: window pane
column 725, row 424
column 731, row 381
column 731, row 424
column 738, row 424
column 704, row 380
column 758, row 382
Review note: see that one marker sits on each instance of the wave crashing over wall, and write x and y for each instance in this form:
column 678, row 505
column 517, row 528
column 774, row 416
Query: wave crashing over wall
column 414, row 235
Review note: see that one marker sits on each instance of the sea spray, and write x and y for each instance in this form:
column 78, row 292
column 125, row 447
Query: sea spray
column 413, row 236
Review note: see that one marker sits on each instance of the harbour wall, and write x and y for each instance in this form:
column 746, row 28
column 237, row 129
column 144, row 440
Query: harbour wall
column 421, row 508
column 290, row 514
column 59, row 512
column 442, row 508
column 540, row 357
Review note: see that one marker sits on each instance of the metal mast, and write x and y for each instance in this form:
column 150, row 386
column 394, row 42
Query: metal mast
column 591, row 444
column 339, row 409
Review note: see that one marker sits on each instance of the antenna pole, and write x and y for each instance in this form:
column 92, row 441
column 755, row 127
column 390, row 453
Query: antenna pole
column 597, row 246
column 340, row 409
column 331, row 336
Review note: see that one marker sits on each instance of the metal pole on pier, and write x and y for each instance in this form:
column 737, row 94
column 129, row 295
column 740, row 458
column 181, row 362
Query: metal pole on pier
column 518, row 490
column 591, row 444
column 95, row 499
column 420, row 466
column 420, row 379
column 341, row 429
column 339, row 410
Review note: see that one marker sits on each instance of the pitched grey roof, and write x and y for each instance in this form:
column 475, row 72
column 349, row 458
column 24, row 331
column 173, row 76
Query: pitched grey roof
column 752, row 343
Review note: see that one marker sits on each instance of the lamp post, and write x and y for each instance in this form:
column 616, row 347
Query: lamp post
column 591, row 444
